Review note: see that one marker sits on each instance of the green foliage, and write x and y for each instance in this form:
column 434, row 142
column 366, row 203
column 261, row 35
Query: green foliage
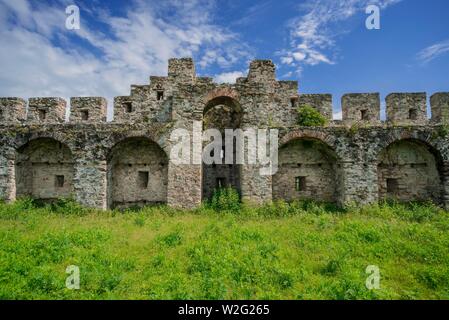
column 298, row 250
column 310, row 117
column 225, row 199
column 171, row 240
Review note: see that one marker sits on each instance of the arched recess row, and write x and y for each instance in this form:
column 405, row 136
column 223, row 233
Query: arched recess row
column 308, row 169
column 137, row 174
column 410, row 170
column 44, row 169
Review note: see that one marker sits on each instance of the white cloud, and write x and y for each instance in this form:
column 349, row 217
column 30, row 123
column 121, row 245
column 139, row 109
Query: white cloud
column 313, row 34
column 434, row 51
column 228, row 77
column 39, row 57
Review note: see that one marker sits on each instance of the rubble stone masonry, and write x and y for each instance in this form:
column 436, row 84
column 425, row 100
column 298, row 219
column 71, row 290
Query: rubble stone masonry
column 357, row 160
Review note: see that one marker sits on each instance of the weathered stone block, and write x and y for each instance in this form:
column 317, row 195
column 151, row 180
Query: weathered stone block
column 12, row 110
column 124, row 109
column 439, row 103
column 46, row 110
column 262, row 71
column 182, row 70
column 361, row 107
column 407, row 108
column 88, row 109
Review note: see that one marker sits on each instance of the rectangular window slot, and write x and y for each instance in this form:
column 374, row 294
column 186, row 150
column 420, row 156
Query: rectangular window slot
column 221, row 182
column 413, row 114
column 128, row 107
column 293, row 102
column 364, row 114
column 392, row 186
column 59, row 181
column 42, row 114
column 160, row 95
column 2, row 116
column 143, row 179
column 419, row 165
column 84, row 115
column 300, row 183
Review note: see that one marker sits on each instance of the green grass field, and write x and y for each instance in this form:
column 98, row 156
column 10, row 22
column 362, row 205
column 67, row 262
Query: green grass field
column 279, row 251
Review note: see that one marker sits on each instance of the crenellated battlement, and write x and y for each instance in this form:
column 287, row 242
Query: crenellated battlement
column 124, row 162
column 163, row 98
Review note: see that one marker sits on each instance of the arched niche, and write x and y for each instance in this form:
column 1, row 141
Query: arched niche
column 44, row 170
column 137, row 173
column 308, row 169
column 221, row 113
column 409, row 170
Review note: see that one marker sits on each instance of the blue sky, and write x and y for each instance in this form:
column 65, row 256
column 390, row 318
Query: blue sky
column 323, row 44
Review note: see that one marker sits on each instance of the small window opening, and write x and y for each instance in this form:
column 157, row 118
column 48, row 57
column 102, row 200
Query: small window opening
column 221, row 182
column 413, row 114
column 42, row 114
column 128, row 107
column 392, row 185
column 2, row 116
column 364, row 114
column 293, row 102
column 143, row 179
column 59, row 181
column 85, row 115
column 300, row 183
column 160, row 95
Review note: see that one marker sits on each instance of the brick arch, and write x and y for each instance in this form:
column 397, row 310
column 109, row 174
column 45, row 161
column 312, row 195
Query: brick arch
column 222, row 95
column 113, row 140
column 320, row 136
column 428, row 143
column 221, row 92
column 22, row 140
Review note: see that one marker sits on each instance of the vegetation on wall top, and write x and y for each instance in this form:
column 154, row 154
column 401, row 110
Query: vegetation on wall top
column 310, row 117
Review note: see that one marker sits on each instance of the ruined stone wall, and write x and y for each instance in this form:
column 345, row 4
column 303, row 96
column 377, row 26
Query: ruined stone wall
column 107, row 164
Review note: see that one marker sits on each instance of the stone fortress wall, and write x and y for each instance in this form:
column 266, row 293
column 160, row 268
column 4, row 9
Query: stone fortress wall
column 359, row 159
